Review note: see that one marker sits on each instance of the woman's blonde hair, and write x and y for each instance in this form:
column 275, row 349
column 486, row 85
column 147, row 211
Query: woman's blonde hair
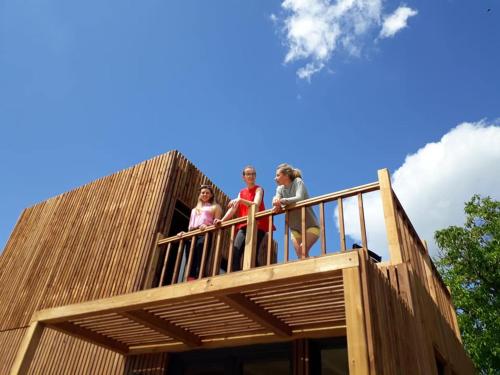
column 290, row 171
column 212, row 200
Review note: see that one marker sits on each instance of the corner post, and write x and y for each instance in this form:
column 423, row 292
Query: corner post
column 357, row 345
column 27, row 348
column 391, row 225
column 250, row 239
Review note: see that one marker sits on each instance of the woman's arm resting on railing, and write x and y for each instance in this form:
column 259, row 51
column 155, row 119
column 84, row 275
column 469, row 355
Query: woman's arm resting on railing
column 300, row 193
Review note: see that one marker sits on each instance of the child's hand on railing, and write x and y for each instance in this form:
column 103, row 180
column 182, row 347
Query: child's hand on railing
column 180, row 234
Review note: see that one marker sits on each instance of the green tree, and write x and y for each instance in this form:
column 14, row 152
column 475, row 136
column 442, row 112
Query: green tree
column 469, row 262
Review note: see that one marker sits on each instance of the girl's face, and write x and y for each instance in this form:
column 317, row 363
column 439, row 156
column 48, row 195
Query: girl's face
column 281, row 178
column 249, row 176
column 205, row 195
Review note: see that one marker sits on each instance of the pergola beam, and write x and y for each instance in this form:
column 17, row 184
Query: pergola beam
column 162, row 326
column 90, row 336
column 256, row 313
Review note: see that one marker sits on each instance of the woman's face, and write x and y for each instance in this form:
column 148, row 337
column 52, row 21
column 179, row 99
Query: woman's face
column 205, row 195
column 249, row 176
column 281, row 178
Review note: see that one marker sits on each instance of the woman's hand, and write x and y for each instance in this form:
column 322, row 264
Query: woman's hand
column 234, row 202
column 217, row 222
column 202, row 227
column 180, row 234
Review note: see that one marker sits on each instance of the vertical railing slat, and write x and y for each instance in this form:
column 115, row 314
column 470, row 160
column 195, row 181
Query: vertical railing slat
column 230, row 251
column 177, row 267
column 322, row 227
column 362, row 224
column 216, row 264
column 304, row 233
column 203, row 256
column 163, row 269
column 269, row 239
column 190, row 258
column 340, row 207
column 286, row 251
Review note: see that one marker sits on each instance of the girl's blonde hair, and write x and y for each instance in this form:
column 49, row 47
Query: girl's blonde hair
column 212, row 200
column 290, row 171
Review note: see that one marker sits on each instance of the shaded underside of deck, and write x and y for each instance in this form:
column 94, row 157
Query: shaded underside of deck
column 267, row 304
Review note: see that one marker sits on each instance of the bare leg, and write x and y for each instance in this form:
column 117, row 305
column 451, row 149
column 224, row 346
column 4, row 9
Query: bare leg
column 311, row 239
column 297, row 246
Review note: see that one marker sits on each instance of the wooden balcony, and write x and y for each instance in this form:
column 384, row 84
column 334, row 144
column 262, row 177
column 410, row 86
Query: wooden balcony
column 340, row 292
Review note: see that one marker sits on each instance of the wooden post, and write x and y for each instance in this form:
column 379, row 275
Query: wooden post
column 393, row 235
column 250, row 239
column 27, row 349
column 357, row 348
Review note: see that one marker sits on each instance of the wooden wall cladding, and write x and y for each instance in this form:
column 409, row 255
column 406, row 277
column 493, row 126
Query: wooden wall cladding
column 407, row 326
column 89, row 243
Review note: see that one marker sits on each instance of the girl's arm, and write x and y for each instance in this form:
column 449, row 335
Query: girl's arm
column 233, row 205
column 300, row 193
column 217, row 212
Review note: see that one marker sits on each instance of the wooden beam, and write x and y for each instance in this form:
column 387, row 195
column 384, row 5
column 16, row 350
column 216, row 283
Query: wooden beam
column 27, row 349
column 304, row 270
column 256, row 313
column 90, row 336
column 357, row 348
column 162, row 326
column 393, row 235
column 250, row 239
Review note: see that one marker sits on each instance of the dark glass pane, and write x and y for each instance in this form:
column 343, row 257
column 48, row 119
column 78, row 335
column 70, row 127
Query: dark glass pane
column 267, row 366
column 334, row 361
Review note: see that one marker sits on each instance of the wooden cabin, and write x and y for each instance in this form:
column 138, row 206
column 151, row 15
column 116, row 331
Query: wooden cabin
column 94, row 281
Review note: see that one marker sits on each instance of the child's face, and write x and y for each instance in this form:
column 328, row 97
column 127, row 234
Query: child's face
column 205, row 195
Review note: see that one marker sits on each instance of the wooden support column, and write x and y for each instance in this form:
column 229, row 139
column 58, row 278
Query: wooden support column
column 27, row 348
column 357, row 348
column 391, row 226
column 250, row 239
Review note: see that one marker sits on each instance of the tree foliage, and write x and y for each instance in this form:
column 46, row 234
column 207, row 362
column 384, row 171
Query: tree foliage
column 469, row 262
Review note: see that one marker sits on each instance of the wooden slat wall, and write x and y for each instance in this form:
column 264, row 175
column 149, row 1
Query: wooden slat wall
column 406, row 324
column 92, row 242
column 9, row 342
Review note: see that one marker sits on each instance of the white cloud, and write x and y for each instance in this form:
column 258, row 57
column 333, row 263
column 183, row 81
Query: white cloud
column 396, row 21
column 316, row 29
column 434, row 183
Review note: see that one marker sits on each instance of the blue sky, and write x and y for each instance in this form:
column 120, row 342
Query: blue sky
column 89, row 88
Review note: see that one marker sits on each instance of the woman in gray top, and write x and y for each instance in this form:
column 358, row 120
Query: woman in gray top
column 291, row 189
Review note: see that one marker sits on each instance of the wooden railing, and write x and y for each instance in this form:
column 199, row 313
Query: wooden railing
column 414, row 252
column 176, row 257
